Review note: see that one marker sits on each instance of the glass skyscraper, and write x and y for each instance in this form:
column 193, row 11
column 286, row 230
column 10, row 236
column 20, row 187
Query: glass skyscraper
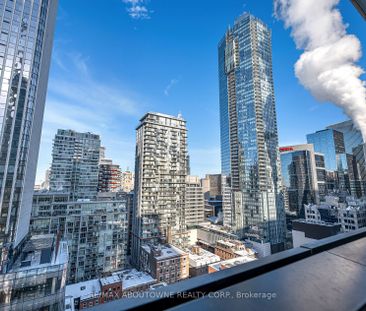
column 32, row 269
column 249, row 139
column 352, row 136
column 330, row 143
column 299, row 177
column 26, row 38
column 342, row 177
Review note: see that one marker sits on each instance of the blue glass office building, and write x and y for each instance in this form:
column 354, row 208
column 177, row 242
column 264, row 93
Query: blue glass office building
column 352, row 136
column 299, row 178
column 26, row 40
column 330, row 143
column 249, row 139
column 343, row 177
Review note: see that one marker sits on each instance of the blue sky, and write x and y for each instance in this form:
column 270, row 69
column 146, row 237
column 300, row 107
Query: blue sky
column 113, row 62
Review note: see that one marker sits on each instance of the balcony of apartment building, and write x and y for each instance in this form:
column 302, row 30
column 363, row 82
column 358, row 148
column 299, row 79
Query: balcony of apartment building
column 328, row 274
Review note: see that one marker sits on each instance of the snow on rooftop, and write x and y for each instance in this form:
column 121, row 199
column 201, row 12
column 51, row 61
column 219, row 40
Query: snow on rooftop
column 227, row 243
column 165, row 251
column 133, row 278
column 202, row 258
column 245, row 252
column 110, row 280
column 222, row 265
column 84, row 290
column 40, row 252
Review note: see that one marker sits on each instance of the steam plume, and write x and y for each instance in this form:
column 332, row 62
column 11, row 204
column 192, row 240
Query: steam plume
column 327, row 68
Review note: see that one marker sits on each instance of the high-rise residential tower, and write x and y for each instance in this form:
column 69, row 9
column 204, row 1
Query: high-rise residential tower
column 160, row 181
column 75, row 164
column 249, row 139
column 27, row 28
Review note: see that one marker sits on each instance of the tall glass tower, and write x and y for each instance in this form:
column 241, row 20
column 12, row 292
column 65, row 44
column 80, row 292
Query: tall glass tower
column 26, row 38
column 299, row 178
column 352, row 136
column 343, row 176
column 249, row 140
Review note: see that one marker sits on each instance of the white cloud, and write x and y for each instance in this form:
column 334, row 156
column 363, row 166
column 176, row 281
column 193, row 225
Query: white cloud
column 170, row 85
column 137, row 9
column 328, row 66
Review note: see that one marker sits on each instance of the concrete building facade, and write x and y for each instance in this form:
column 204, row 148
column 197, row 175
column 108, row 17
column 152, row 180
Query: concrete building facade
column 74, row 168
column 96, row 232
column 160, row 182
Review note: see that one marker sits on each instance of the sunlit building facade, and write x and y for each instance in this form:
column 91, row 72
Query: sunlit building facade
column 342, row 170
column 109, row 179
column 127, row 181
column 352, row 136
column 75, row 164
column 160, row 181
column 360, row 155
column 249, row 139
column 96, row 232
column 194, row 201
column 329, row 142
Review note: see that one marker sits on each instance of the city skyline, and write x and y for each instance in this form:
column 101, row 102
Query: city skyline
column 190, row 83
column 142, row 86
column 249, row 135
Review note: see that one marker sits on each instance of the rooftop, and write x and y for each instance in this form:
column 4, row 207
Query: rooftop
column 246, row 252
column 331, row 273
column 40, row 251
column 164, row 251
column 83, row 290
column 198, row 257
column 312, row 222
column 110, row 280
column 218, row 228
column 226, row 243
column 222, row 265
column 159, row 114
column 133, row 278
